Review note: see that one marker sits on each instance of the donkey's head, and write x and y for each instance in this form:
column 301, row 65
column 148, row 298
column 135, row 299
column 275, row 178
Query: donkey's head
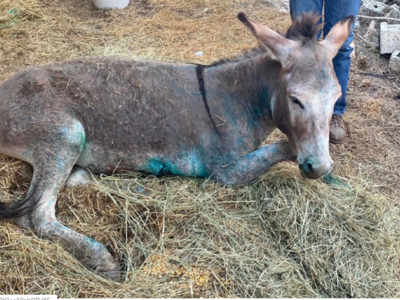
column 302, row 106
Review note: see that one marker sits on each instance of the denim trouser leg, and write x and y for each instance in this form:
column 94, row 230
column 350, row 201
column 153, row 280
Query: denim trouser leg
column 298, row 7
column 335, row 10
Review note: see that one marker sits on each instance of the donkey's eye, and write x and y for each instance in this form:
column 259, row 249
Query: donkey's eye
column 295, row 100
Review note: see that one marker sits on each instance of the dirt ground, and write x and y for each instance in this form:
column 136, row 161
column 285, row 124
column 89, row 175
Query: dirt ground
column 282, row 236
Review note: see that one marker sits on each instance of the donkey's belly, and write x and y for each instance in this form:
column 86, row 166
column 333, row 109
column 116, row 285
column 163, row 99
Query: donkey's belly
column 102, row 159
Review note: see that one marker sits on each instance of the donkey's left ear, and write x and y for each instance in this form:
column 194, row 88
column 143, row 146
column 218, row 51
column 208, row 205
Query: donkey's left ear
column 338, row 35
column 280, row 46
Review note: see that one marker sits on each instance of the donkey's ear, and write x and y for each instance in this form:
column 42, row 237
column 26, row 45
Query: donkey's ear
column 280, row 46
column 338, row 35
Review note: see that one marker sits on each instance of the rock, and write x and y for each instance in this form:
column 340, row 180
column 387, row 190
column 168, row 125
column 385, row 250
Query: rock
column 371, row 36
column 375, row 41
column 394, row 12
column 391, row 2
column 353, row 53
column 363, row 61
column 394, row 63
column 374, row 8
column 365, row 83
column 356, row 25
column 370, row 32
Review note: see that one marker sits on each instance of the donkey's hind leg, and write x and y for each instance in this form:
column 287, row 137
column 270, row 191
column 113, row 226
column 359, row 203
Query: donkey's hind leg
column 52, row 164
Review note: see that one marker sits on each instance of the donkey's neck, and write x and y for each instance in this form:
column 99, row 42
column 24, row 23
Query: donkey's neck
column 248, row 85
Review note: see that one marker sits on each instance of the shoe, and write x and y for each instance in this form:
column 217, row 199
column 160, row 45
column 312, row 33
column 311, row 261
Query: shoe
column 337, row 131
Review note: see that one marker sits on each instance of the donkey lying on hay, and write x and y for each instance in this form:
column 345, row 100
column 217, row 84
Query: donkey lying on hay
column 107, row 114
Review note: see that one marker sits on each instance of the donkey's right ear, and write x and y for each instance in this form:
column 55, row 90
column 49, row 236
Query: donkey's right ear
column 280, row 46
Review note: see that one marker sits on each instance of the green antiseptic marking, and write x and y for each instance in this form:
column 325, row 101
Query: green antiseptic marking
column 14, row 12
column 190, row 165
column 332, row 179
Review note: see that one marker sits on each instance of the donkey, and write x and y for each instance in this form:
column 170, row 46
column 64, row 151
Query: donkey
column 109, row 114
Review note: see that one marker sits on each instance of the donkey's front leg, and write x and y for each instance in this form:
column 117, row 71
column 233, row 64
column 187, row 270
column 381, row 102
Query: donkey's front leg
column 248, row 167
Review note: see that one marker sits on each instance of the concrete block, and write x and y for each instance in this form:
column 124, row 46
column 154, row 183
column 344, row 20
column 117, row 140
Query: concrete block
column 394, row 63
column 390, row 38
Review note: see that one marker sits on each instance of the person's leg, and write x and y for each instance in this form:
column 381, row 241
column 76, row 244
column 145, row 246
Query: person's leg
column 298, row 7
column 335, row 11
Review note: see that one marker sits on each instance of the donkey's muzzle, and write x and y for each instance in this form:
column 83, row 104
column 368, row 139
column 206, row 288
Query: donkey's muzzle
column 313, row 169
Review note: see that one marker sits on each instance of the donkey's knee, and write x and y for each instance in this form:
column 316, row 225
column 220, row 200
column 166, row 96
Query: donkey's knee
column 71, row 137
column 248, row 167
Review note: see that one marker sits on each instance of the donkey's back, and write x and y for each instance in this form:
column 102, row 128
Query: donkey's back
column 132, row 113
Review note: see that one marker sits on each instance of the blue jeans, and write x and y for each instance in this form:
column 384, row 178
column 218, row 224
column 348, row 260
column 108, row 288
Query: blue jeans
column 335, row 10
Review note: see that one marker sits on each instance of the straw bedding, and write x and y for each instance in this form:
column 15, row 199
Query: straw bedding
column 282, row 236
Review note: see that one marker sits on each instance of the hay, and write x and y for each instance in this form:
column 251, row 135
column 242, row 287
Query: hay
column 282, row 236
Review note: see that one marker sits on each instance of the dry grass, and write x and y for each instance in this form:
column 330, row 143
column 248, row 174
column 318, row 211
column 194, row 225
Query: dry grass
column 282, row 236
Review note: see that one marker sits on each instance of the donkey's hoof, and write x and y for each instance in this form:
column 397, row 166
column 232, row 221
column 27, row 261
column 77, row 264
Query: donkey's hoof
column 24, row 222
column 78, row 177
column 109, row 270
column 113, row 275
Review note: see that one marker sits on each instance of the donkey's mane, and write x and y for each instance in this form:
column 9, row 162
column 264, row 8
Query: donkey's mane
column 304, row 28
column 247, row 54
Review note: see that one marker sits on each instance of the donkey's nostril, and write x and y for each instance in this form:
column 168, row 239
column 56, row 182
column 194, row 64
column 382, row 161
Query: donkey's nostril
column 308, row 166
column 314, row 168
